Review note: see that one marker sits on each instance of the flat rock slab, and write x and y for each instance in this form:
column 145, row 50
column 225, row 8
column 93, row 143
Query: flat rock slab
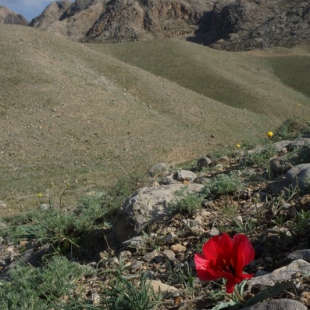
column 144, row 207
column 278, row 304
column 281, row 274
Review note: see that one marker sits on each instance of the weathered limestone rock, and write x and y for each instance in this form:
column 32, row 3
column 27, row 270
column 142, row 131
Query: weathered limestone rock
column 144, row 207
column 281, row 274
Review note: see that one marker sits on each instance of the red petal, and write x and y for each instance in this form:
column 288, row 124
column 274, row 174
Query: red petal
column 218, row 246
column 207, row 271
column 243, row 252
column 203, row 268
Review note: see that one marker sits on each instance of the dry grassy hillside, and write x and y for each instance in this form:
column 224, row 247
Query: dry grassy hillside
column 74, row 113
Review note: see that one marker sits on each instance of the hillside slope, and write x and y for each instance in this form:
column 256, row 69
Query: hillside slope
column 72, row 114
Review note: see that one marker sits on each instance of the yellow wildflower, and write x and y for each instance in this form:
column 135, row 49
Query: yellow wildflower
column 269, row 134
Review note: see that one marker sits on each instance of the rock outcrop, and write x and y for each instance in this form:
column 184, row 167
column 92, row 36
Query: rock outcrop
column 7, row 16
column 221, row 24
column 245, row 25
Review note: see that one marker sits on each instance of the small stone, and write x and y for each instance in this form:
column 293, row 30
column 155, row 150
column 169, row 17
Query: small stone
column 178, row 248
column 169, row 254
column 197, row 231
column 114, row 260
column 203, row 162
column 305, row 298
column 124, row 255
column 223, row 160
column 150, row 256
column 135, row 242
column 158, row 286
column 135, row 266
column 299, row 254
column 169, row 238
column 3, row 204
column 214, row 232
column 187, row 175
column 96, row 299
column 44, row 206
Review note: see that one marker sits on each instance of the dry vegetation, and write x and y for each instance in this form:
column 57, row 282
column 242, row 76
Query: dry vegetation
column 88, row 114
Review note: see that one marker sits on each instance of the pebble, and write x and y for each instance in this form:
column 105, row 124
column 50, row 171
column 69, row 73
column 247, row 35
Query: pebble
column 150, row 256
column 169, row 254
column 169, row 238
column 124, row 255
column 178, row 248
column 135, row 266
column 214, row 232
column 197, row 230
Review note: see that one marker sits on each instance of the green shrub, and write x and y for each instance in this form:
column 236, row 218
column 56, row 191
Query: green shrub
column 291, row 129
column 223, row 184
column 40, row 288
column 186, row 201
column 125, row 295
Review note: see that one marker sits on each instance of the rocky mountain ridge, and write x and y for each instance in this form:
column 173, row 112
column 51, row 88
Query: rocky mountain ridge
column 7, row 16
column 221, row 24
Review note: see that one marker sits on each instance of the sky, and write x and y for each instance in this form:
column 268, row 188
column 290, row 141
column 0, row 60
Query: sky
column 28, row 8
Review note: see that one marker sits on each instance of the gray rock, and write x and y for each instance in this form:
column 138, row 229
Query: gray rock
column 281, row 274
column 298, row 143
column 296, row 177
column 145, row 206
column 197, row 230
column 169, row 179
column 124, row 255
column 299, row 254
column 281, row 146
column 169, row 254
column 278, row 304
column 279, row 165
column 169, row 237
column 135, row 266
column 203, row 162
column 158, row 286
column 214, row 231
column 150, row 256
column 223, row 160
column 182, row 175
column 135, row 242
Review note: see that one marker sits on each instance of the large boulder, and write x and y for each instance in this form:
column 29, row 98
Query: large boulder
column 145, row 206
column 297, row 178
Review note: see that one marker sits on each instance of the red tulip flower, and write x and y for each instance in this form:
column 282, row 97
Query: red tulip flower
column 224, row 257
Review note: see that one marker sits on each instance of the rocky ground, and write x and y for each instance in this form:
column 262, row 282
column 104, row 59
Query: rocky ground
column 161, row 226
